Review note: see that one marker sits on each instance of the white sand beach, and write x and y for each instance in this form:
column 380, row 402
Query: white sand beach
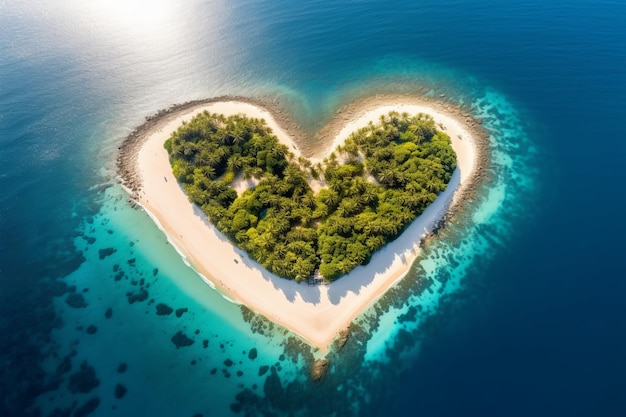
column 316, row 313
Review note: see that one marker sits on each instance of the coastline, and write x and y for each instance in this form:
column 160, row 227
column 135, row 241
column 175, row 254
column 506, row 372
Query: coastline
column 317, row 313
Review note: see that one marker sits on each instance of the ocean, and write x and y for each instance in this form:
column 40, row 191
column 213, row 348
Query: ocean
column 515, row 309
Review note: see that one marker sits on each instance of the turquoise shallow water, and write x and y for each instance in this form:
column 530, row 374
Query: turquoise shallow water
column 514, row 310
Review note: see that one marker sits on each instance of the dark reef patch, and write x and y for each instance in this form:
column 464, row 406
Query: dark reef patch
column 87, row 408
column 58, row 288
column 84, row 380
column 272, row 388
column 65, row 365
column 120, row 391
column 163, row 309
column 137, row 297
column 103, row 253
column 60, row 412
column 181, row 340
column 252, row 354
column 76, row 300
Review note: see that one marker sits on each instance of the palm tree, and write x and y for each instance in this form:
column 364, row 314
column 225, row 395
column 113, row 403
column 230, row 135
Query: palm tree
column 308, row 200
column 369, row 195
column 386, row 177
column 283, row 187
column 207, row 157
column 432, row 185
column 226, row 138
column 394, row 119
column 280, row 250
column 332, row 197
column 336, row 186
column 208, row 171
column 235, row 162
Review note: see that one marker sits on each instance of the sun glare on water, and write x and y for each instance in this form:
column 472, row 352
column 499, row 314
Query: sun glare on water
column 137, row 15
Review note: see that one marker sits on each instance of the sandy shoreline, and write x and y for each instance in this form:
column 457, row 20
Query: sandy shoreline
column 318, row 313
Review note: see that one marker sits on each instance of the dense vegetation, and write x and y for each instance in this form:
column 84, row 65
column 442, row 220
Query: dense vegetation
column 383, row 177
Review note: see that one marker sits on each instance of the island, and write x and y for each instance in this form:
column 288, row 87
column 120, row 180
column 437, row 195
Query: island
column 259, row 194
column 234, row 193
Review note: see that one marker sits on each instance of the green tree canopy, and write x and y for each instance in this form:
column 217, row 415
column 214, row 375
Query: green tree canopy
column 381, row 178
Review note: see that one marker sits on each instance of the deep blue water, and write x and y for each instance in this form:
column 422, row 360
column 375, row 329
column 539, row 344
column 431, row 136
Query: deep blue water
column 523, row 313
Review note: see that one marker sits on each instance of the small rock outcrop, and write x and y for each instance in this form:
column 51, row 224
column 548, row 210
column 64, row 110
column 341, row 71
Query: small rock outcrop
column 342, row 338
column 319, row 369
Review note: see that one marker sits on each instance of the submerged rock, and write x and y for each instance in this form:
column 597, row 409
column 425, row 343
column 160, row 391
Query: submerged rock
column 252, row 354
column 120, row 391
column 103, row 253
column 65, row 365
column 181, row 311
column 263, row 370
column 272, row 388
column 319, row 369
column 87, row 408
column 61, row 412
column 140, row 296
column 181, row 340
column 163, row 309
column 57, row 288
column 83, row 380
column 76, row 300
column 109, row 313
column 342, row 338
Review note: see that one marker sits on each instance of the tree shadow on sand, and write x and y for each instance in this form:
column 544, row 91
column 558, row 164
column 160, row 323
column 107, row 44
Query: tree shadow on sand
column 290, row 288
column 403, row 248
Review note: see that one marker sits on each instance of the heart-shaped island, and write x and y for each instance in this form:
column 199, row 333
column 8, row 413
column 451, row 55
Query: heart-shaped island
column 233, row 192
